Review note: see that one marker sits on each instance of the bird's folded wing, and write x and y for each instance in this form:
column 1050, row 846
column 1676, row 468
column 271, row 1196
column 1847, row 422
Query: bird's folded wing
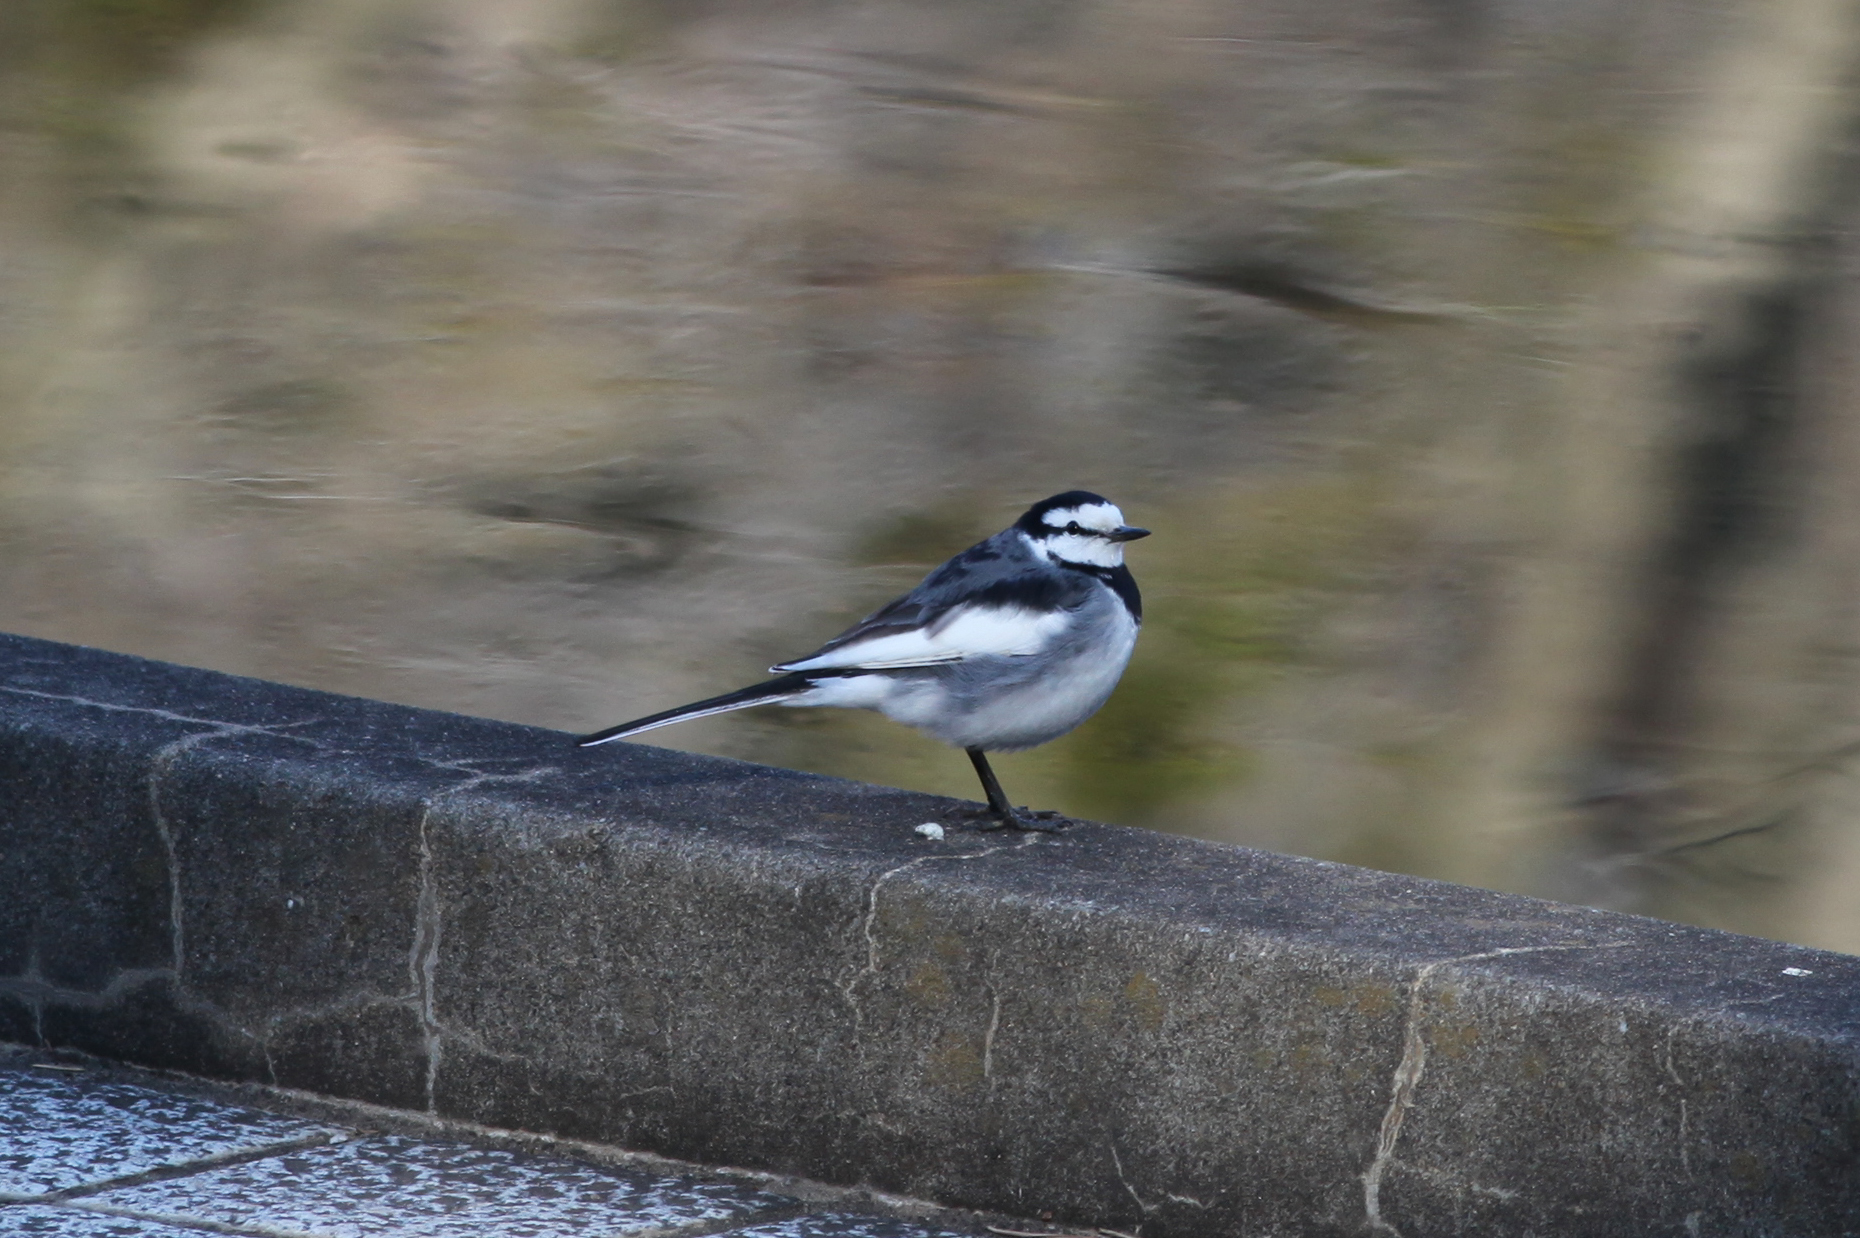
column 961, row 632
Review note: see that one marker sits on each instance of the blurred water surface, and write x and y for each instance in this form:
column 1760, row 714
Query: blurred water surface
column 563, row 360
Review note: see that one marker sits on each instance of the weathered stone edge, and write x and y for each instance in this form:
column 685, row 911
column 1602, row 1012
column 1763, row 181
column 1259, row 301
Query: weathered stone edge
column 871, row 1031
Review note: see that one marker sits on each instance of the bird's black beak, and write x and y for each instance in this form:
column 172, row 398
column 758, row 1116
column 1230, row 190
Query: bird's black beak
column 1127, row 533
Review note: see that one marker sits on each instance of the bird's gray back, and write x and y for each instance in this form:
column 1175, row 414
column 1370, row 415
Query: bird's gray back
column 1002, row 571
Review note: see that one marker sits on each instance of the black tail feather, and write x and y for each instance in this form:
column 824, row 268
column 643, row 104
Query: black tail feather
column 766, row 693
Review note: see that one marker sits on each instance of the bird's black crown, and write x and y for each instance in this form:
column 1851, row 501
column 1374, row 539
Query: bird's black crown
column 1034, row 522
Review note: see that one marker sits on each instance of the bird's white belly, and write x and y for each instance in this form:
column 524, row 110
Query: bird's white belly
column 1018, row 715
column 1020, row 712
column 1044, row 708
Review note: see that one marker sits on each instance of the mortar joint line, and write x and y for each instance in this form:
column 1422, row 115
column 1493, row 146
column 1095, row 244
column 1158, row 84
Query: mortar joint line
column 868, row 922
column 1413, row 1063
column 1143, row 1209
column 187, row 1169
column 423, row 962
column 428, row 921
column 189, row 1222
column 220, row 725
column 159, row 765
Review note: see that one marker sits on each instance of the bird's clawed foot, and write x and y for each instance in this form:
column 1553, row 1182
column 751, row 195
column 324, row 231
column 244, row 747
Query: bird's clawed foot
column 1004, row 815
column 1027, row 820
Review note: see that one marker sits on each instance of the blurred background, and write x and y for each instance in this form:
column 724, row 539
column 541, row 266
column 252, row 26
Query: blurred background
column 1485, row 369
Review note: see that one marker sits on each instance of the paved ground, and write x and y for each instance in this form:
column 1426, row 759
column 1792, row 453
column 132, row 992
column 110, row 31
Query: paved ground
column 91, row 1151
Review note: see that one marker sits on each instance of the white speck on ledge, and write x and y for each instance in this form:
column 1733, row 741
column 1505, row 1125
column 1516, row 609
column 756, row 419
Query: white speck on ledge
column 1787, row 971
column 931, row 830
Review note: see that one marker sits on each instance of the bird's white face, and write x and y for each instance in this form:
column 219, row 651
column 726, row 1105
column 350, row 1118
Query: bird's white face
column 1082, row 535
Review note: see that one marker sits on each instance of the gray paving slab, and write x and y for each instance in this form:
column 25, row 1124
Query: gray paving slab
column 59, row 1131
column 405, row 1188
column 50, row 1221
column 155, row 1159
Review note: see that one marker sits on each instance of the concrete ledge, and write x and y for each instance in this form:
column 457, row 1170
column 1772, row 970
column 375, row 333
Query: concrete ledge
column 727, row 963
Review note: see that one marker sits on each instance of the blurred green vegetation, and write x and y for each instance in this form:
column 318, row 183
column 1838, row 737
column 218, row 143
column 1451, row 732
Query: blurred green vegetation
column 559, row 360
column 1250, row 577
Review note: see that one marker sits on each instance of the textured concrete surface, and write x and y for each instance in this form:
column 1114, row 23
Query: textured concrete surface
column 84, row 1131
column 745, row 966
column 142, row 1158
column 393, row 1186
column 52, row 1221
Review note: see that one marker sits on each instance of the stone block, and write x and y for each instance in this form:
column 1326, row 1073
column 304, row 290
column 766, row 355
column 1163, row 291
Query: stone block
column 747, row 966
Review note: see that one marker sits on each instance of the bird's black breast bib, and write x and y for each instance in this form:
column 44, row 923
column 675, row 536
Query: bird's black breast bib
column 1122, row 583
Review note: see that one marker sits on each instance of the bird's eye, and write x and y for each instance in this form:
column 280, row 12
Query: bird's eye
column 1074, row 527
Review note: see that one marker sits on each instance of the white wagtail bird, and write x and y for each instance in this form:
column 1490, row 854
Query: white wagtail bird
column 1010, row 644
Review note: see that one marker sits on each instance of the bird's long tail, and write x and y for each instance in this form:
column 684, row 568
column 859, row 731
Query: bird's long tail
column 785, row 688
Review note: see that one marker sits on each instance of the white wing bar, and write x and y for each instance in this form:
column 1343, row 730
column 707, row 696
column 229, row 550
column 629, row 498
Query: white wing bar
column 964, row 632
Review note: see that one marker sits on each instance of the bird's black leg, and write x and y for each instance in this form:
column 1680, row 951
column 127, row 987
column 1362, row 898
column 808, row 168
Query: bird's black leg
column 1002, row 811
column 997, row 798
